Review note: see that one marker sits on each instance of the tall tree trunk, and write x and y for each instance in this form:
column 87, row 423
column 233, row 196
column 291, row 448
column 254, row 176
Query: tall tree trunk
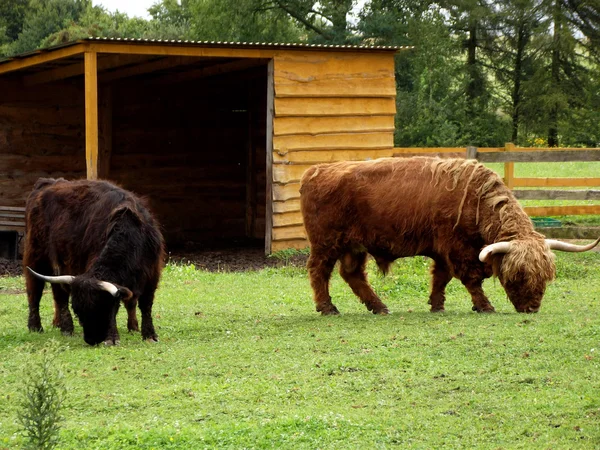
column 555, row 80
column 473, row 82
column 518, row 75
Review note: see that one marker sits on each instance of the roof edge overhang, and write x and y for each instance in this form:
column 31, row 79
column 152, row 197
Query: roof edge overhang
column 173, row 47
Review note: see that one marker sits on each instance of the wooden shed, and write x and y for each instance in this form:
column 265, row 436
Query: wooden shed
column 216, row 135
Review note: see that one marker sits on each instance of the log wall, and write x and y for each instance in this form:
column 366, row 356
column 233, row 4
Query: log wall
column 328, row 107
column 41, row 135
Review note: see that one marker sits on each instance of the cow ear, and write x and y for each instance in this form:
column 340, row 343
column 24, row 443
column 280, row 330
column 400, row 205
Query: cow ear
column 120, row 216
column 123, row 212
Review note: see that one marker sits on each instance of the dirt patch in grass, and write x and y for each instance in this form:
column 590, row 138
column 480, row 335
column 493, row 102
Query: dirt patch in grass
column 221, row 260
column 234, row 259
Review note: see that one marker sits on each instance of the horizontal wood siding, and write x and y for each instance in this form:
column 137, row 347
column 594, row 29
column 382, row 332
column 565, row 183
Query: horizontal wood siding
column 285, row 126
column 339, row 106
column 328, row 107
column 41, row 135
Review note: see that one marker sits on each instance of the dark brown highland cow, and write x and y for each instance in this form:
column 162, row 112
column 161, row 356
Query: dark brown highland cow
column 457, row 212
column 102, row 246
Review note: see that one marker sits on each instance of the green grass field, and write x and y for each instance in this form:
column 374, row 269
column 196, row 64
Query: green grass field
column 244, row 361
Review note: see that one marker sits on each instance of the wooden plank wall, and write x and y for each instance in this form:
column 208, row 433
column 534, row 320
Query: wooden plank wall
column 328, row 107
column 41, row 135
column 197, row 151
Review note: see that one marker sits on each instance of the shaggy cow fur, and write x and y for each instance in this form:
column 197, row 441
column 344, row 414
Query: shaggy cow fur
column 447, row 210
column 97, row 232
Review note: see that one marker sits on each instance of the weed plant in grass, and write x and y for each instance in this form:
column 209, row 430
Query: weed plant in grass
column 244, row 361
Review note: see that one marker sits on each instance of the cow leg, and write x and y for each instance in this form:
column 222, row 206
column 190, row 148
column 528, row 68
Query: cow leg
column 112, row 337
column 62, row 315
column 480, row 301
column 352, row 270
column 440, row 277
column 145, row 304
column 132, row 322
column 35, row 288
column 319, row 272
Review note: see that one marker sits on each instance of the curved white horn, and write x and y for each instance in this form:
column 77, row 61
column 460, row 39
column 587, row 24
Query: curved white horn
column 565, row 247
column 109, row 287
column 498, row 247
column 62, row 279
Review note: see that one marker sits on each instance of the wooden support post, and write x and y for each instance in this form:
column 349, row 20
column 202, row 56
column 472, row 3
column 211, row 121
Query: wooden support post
column 509, row 167
column 270, row 175
column 471, row 152
column 90, row 62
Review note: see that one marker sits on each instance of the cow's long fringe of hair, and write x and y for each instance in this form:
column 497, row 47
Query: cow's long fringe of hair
column 529, row 251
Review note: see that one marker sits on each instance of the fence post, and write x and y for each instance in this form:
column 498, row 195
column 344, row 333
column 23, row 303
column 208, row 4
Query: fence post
column 509, row 167
column 471, row 152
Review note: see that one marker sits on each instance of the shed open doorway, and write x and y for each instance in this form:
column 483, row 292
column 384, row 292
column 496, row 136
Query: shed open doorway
column 195, row 146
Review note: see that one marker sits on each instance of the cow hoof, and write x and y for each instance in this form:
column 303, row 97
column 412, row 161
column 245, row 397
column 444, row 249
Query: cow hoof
column 333, row 311
column 36, row 329
column 110, row 342
column 487, row 309
column 67, row 332
column 381, row 312
column 152, row 340
column 437, row 310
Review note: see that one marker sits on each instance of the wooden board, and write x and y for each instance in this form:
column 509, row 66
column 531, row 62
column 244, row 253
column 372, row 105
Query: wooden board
column 283, row 192
column 580, row 210
column 457, row 155
column 286, row 126
column 540, row 156
column 287, row 206
column 287, row 233
column 309, row 66
column 538, row 194
column 334, row 74
column 301, row 107
column 298, row 244
column 320, row 156
column 287, row 218
column 341, row 141
column 371, row 87
column 555, row 182
column 91, row 114
column 570, row 232
column 288, row 173
column 270, row 113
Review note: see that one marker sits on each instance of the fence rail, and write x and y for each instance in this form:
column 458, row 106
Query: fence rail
column 509, row 154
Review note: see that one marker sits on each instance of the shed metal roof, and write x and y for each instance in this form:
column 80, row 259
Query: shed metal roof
column 212, row 44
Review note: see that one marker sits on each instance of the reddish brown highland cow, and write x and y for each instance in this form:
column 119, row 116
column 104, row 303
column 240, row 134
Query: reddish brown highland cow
column 457, row 212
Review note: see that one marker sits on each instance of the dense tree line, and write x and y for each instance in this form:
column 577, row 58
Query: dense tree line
column 482, row 72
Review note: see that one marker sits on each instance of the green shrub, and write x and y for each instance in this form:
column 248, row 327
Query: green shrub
column 43, row 394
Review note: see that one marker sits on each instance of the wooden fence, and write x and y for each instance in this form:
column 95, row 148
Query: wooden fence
column 509, row 154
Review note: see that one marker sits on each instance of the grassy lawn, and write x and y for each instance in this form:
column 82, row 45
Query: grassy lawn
column 244, row 361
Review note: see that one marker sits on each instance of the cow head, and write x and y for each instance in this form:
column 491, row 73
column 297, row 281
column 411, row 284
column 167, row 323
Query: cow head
column 525, row 267
column 95, row 302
